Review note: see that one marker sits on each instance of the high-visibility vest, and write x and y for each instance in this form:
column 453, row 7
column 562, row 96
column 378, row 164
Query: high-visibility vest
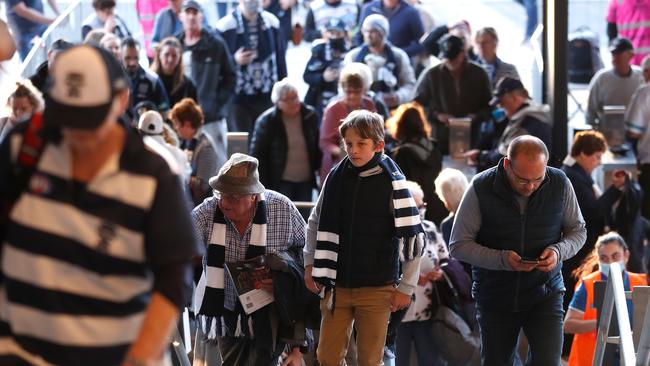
column 584, row 344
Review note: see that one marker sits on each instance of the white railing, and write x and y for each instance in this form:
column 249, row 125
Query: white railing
column 67, row 26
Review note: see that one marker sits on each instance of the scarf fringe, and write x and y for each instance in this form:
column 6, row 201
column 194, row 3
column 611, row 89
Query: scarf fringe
column 238, row 331
column 411, row 248
column 250, row 327
column 212, row 327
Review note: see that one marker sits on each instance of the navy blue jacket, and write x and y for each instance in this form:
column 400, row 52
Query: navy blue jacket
column 405, row 26
column 368, row 255
column 504, row 227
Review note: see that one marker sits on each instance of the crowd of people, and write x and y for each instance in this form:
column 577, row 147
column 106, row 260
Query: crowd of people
column 121, row 206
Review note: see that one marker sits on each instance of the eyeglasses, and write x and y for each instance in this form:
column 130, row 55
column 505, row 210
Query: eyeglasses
column 294, row 99
column 232, row 198
column 524, row 181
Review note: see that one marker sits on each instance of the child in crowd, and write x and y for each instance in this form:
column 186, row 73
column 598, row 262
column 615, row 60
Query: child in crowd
column 364, row 224
column 581, row 317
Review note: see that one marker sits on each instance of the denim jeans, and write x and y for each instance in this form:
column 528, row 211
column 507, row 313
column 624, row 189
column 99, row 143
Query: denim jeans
column 418, row 333
column 542, row 325
column 225, row 7
column 24, row 40
column 531, row 12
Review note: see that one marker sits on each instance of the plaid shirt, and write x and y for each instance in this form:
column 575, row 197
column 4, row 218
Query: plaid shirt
column 285, row 229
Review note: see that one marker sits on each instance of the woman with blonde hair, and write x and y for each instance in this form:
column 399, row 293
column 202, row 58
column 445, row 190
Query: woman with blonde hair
column 353, row 88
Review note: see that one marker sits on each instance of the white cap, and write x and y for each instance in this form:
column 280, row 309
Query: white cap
column 151, row 123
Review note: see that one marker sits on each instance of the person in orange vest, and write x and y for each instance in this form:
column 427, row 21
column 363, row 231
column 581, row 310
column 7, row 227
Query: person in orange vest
column 581, row 316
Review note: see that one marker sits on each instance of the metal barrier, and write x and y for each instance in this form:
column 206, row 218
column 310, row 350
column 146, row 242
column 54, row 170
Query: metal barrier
column 615, row 305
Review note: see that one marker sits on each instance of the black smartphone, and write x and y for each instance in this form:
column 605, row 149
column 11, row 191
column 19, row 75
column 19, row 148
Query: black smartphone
column 529, row 260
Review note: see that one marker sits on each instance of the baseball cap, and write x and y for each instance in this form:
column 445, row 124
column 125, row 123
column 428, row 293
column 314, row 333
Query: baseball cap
column 505, row 85
column 191, row 4
column 151, row 123
column 619, row 45
column 336, row 24
column 60, row 45
column 450, row 46
column 238, row 175
column 83, row 83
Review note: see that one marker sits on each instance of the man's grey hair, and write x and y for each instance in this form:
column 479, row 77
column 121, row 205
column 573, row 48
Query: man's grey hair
column 280, row 88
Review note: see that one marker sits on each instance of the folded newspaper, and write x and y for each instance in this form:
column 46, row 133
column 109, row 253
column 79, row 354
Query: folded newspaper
column 247, row 276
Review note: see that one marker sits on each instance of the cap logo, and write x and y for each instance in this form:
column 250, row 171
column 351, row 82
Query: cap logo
column 74, row 81
column 240, row 170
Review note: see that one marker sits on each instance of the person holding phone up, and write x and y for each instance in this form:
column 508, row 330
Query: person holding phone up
column 515, row 225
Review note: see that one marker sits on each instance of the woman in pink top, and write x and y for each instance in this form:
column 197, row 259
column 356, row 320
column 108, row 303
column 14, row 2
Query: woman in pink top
column 354, row 84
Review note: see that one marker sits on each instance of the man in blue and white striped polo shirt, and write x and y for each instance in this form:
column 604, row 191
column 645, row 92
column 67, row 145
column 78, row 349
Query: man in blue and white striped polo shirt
column 96, row 261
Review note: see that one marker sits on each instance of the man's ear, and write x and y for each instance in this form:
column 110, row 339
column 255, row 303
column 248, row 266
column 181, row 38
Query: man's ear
column 506, row 162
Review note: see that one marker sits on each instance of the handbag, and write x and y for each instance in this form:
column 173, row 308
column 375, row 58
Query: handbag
column 454, row 339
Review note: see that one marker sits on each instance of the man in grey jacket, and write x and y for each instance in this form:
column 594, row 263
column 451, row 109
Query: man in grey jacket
column 524, row 117
column 515, row 225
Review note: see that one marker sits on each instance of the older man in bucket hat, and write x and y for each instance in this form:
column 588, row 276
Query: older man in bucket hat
column 241, row 221
column 96, row 260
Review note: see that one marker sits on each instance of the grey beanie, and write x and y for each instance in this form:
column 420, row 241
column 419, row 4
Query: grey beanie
column 377, row 22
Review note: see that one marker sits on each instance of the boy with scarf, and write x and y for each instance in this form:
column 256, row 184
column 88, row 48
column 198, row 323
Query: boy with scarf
column 364, row 229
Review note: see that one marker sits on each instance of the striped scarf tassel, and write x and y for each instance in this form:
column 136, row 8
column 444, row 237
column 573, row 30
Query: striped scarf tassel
column 209, row 294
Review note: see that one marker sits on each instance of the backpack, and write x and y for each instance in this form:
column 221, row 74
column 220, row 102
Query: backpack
column 28, row 156
column 584, row 55
column 457, row 343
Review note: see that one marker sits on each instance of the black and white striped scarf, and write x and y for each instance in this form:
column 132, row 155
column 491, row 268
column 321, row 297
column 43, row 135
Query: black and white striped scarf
column 408, row 226
column 209, row 294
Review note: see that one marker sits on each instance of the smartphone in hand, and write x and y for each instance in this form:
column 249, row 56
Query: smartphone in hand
column 529, row 260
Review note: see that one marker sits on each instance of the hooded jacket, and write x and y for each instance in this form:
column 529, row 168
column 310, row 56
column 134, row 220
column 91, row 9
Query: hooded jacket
column 530, row 119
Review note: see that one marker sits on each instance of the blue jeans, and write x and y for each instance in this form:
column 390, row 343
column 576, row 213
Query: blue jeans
column 531, row 12
column 418, row 333
column 542, row 325
column 222, row 8
column 24, row 40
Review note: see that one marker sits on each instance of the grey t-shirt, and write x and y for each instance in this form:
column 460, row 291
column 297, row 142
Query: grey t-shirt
column 296, row 168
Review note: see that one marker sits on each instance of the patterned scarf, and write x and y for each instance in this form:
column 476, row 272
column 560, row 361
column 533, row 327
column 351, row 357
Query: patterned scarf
column 260, row 75
column 408, row 226
column 209, row 294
